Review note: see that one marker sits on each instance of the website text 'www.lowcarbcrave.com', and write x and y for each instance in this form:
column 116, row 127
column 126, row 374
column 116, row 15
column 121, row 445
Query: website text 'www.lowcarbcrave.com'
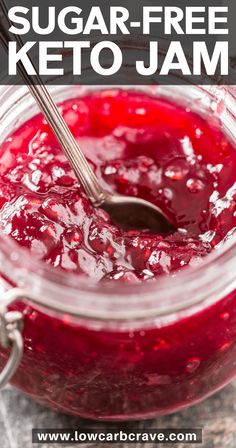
column 192, row 435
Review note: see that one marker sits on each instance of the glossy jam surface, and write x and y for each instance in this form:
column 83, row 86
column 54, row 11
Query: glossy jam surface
column 138, row 145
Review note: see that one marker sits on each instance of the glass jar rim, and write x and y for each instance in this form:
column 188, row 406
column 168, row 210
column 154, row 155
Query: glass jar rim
column 203, row 284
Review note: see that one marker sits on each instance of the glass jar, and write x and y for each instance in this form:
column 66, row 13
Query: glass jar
column 122, row 352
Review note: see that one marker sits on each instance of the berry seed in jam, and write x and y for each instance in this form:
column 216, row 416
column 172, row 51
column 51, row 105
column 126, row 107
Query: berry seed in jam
column 138, row 145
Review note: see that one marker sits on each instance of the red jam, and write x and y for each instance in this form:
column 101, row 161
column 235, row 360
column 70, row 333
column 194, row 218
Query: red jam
column 138, row 145
column 143, row 146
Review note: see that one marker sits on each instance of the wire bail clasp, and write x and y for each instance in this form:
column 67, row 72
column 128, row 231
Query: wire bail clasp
column 11, row 326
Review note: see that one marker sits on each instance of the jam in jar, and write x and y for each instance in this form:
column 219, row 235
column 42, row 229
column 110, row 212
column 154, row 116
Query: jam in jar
column 138, row 145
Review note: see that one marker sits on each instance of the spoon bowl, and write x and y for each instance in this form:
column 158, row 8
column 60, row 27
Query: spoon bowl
column 134, row 213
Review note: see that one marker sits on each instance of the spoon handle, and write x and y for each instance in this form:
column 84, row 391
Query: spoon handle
column 54, row 118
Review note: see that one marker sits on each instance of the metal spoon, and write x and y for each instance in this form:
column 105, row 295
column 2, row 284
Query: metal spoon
column 126, row 211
